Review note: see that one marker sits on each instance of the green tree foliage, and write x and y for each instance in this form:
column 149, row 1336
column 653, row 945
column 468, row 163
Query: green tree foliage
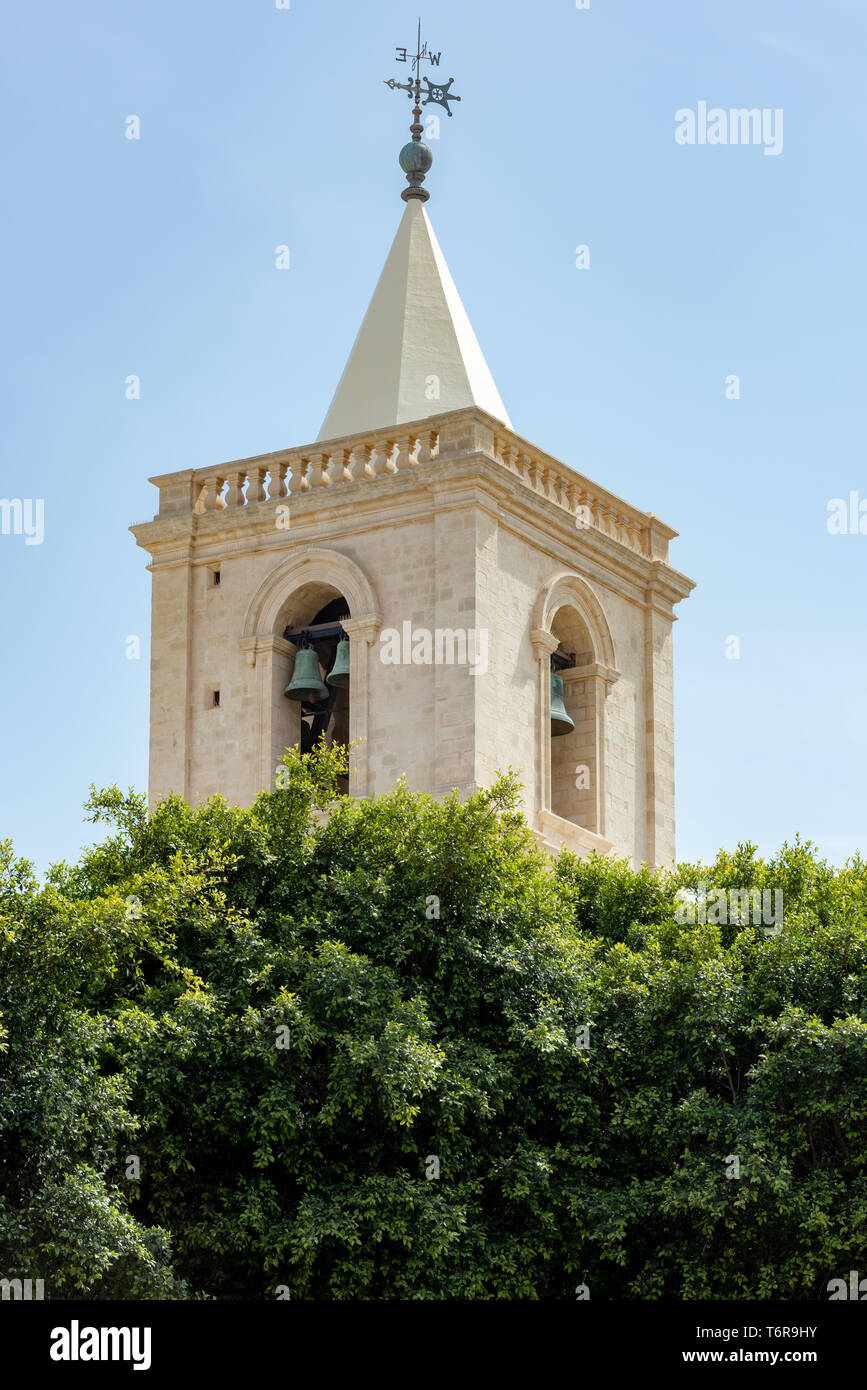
column 392, row 1052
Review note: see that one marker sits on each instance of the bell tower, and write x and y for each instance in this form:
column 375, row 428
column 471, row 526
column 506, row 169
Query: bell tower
column 422, row 583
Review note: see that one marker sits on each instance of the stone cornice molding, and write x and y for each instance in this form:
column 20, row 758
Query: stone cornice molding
column 445, row 483
column 544, row 643
column 591, row 670
column 365, row 628
column 261, row 643
column 666, row 587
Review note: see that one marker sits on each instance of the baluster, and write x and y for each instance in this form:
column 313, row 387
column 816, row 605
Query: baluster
column 213, row 493
column 319, row 475
column 256, row 485
column 343, row 466
column 381, row 458
column 376, row 459
column 361, row 465
column 235, row 495
column 404, row 459
column 425, row 451
column 298, row 479
column 278, row 486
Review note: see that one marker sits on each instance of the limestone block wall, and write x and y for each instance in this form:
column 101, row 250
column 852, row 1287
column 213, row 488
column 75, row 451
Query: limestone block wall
column 471, row 538
column 512, row 571
column 225, row 739
column 508, row 577
column 400, row 559
column 659, row 736
column 578, row 749
column 624, row 748
column 171, row 626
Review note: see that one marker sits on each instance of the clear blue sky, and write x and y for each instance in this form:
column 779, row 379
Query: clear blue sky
column 262, row 126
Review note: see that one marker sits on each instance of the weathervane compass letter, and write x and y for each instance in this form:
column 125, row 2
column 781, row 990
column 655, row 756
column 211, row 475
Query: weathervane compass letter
column 416, row 158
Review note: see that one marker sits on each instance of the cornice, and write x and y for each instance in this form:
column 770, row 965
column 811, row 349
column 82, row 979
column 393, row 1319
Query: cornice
column 591, row 670
column 444, row 484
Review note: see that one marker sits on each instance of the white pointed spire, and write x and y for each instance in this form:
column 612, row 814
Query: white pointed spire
column 415, row 341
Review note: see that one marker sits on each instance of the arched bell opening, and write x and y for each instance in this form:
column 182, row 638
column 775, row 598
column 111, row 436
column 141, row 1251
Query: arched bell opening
column 574, row 722
column 316, row 695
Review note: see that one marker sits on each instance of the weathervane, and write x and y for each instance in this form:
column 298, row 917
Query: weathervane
column 416, row 158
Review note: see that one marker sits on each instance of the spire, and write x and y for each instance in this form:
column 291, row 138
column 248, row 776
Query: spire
column 416, row 354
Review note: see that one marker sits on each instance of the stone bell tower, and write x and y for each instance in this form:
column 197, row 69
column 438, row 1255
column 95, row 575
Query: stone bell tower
column 467, row 568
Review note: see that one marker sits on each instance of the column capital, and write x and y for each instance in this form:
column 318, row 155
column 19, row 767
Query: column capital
column 591, row 671
column 366, row 628
column 265, row 642
column 544, row 643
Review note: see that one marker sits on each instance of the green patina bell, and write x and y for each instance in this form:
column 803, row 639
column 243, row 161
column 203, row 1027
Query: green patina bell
column 560, row 721
column 339, row 673
column 306, row 683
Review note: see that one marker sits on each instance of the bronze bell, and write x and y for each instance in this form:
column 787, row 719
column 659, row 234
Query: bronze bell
column 339, row 673
column 560, row 720
column 306, row 683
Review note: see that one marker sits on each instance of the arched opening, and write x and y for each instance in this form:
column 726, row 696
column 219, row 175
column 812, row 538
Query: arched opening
column 574, row 755
column 569, row 627
column 312, row 621
column 291, row 596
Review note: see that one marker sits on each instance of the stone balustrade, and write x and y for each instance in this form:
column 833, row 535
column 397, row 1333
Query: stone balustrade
column 590, row 504
column 293, row 473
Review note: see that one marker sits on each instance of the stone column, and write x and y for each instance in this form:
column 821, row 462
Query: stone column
column 658, row 731
column 461, row 529
column 599, row 679
column 544, row 646
column 278, row 719
column 171, row 675
column 362, row 633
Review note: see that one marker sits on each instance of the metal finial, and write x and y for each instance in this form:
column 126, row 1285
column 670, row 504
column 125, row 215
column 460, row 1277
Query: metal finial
column 416, row 158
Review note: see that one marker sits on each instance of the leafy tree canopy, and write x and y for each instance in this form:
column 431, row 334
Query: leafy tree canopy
column 393, row 1052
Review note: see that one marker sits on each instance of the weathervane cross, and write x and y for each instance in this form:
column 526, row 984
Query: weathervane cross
column 416, row 158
